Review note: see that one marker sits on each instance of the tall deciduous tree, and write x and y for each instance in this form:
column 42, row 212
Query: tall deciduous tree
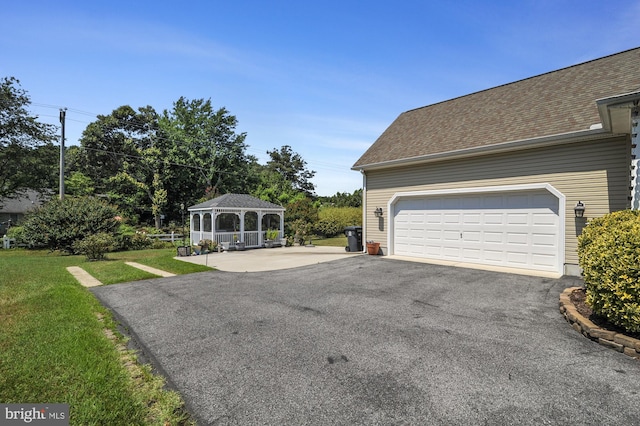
column 127, row 156
column 27, row 154
column 294, row 169
column 205, row 139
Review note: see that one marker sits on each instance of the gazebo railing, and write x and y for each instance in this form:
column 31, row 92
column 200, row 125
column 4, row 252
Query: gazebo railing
column 250, row 238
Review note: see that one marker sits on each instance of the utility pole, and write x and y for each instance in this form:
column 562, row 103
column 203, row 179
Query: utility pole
column 63, row 114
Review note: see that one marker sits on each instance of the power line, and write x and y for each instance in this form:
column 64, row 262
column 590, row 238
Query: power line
column 136, row 124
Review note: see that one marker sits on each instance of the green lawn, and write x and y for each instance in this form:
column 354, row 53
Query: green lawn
column 340, row 241
column 54, row 348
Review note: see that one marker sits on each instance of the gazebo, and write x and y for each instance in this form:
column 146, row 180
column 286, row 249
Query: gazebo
column 233, row 218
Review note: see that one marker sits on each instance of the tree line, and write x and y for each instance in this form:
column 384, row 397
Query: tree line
column 151, row 164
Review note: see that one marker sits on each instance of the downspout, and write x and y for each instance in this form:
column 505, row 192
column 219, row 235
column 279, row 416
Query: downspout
column 364, row 210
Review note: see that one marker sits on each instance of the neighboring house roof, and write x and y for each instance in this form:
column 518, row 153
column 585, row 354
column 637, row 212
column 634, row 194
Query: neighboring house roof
column 238, row 201
column 555, row 103
column 22, row 204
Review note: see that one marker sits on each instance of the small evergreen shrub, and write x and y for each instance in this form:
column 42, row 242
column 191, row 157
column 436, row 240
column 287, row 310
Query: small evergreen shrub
column 609, row 254
column 59, row 223
column 95, row 246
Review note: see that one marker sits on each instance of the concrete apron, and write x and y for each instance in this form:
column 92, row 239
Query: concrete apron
column 269, row 259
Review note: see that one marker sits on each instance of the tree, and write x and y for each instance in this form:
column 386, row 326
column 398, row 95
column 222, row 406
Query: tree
column 27, row 154
column 127, row 156
column 344, row 199
column 205, row 139
column 294, row 169
column 275, row 188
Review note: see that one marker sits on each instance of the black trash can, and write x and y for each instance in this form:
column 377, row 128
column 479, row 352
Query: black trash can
column 354, row 238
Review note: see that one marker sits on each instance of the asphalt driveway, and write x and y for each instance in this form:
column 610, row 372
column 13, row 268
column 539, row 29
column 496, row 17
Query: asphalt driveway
column 368, row 340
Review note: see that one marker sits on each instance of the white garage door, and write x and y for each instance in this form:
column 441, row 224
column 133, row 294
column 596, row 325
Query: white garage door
column 514, row 229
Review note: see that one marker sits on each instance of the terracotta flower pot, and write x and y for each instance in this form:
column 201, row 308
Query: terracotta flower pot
column 373, row 248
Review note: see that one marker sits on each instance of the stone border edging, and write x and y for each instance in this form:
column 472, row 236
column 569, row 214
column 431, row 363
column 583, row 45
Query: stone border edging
column 611, row 339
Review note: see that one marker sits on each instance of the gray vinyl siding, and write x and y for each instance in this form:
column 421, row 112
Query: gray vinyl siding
column 594, row 172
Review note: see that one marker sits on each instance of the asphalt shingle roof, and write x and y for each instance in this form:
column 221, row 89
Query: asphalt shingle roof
column 236, row 201
column 23, row 203
column 557, row 102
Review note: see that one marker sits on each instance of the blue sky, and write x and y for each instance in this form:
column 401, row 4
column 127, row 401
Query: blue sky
column 326, row 78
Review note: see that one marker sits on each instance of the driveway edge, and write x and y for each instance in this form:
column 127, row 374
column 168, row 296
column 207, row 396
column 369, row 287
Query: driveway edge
column 610, row 339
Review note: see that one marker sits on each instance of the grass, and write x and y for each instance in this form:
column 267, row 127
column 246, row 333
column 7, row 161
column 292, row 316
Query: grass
column 59, row 345
column 114, row 270
column 340, row 241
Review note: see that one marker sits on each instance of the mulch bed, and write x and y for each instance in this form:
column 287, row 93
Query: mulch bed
column 578, row 298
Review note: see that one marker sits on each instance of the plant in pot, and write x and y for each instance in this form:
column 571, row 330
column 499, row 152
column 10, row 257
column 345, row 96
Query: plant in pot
column 205, row 245
column 271, row 236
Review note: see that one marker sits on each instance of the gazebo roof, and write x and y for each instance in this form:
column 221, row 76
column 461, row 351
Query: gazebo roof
column 236, row 201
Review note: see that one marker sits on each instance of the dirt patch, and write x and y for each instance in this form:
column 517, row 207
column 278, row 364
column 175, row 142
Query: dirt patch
column 578, row 298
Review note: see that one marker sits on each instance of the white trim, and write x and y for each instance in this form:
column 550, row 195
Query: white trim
column 364, row 211
column 559, row 139
column 479, row 190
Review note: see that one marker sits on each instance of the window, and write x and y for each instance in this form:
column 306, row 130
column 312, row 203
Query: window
column 196, row 222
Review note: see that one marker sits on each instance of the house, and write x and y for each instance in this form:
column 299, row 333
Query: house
column 12, row 210
column 498, row 177
column 235, row 217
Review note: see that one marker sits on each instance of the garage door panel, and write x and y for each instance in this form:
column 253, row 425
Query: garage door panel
column 544, row 261
column 517, row 238
column 509, row 229
column 493, row 218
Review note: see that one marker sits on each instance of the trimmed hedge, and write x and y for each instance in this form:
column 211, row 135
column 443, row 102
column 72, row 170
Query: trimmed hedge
column 609, row 254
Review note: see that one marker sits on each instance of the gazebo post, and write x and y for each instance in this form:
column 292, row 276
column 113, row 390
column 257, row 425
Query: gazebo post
column 281, row 224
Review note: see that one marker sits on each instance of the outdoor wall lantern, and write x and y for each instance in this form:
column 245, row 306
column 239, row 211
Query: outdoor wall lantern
column 579, row 209
column 378, row 212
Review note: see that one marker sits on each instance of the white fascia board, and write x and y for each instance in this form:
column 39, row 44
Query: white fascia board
column 607, row 106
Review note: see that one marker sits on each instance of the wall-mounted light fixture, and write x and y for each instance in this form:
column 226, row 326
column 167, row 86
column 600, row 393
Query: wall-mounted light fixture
column 579, row 209
column 378, row 212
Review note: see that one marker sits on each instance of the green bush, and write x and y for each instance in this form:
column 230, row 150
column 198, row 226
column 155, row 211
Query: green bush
column 17, row 233
column 609, row 253
column 95, row 246
column 128, row 238
column 59, row 223
column 333, row 220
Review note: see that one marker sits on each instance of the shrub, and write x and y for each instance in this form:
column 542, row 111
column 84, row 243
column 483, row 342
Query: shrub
column 17, row 233
column 128, row 238
column 333, row 220
column 302, row 231
column 95, row 246
column 59, row 223
column 609, row 249
column 157, row 244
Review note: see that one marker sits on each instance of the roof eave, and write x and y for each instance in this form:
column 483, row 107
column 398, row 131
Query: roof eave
column 615, row 111
column 559, row 139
